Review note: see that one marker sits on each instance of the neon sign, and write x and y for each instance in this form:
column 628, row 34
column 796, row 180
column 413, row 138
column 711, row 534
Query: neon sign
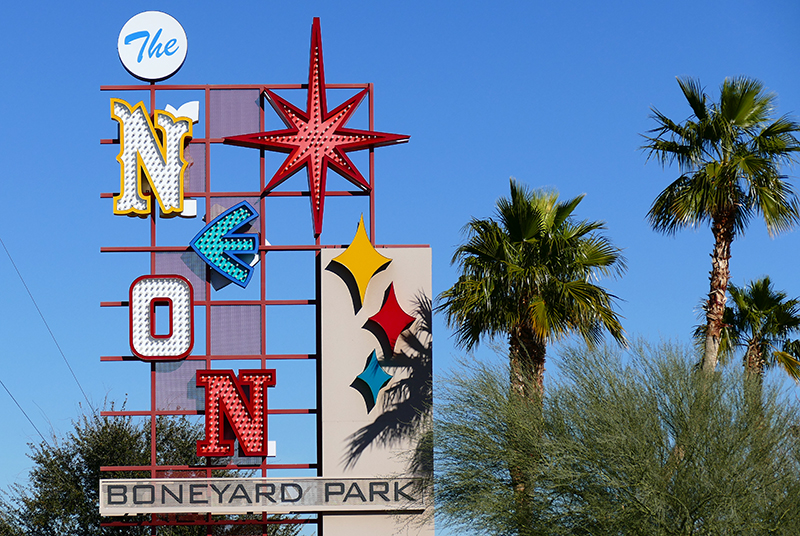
column 315, row 138
column 152, row 46
column 176, row 294
column 142, row 154
column 227, row 407
column 224, row 249
column 371, row 340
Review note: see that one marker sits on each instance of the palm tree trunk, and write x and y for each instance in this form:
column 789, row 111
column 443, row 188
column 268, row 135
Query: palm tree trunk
column 526, row 356
column 722, row 228
column 754, row 374
column 753, row 360
column 754, row 364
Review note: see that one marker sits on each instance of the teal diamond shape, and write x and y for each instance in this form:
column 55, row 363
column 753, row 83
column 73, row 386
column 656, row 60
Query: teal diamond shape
column 374, row 378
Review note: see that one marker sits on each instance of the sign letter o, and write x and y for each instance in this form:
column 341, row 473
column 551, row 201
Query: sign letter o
column 176, row 293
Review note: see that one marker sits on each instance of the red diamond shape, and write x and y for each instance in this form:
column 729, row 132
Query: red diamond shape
column 392, row 319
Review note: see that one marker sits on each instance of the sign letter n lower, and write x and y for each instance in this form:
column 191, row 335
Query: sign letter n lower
column 240, row 405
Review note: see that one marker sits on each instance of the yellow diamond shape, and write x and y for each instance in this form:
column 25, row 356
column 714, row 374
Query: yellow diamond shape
column 361, row 259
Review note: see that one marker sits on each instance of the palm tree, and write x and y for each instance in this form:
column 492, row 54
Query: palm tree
column 762, row 321
column 729, row 154
column 527, row 274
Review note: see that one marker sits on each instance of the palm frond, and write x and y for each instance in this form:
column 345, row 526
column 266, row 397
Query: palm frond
column 682, row 204
column 695, row 96
column 788, row 362
column 761, row 316
column 778, row 139
column 729, row 155
column 743, row 102
column 776, row 201
column 533, row 265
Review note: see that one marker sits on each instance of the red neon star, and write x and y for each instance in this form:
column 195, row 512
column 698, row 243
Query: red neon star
column 316, row 138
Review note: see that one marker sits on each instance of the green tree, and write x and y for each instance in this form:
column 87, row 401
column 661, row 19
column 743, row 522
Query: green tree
column 62, row 493
column 597, row 454
column 729, row 154
column 527, row 274
column 763, row 322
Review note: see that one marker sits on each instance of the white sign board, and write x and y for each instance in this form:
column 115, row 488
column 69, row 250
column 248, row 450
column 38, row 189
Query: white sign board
column 152, row 46
column 360, row 440
column 242, row 495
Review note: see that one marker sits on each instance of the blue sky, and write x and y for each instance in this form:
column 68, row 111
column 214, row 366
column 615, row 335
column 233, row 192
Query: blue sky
column 555, row 94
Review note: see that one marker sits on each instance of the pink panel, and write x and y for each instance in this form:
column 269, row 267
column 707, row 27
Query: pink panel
column 233, row 112
column 236, row 330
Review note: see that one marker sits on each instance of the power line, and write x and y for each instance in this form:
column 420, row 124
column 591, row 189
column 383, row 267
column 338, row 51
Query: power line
column 48, row 330
column 22, row 410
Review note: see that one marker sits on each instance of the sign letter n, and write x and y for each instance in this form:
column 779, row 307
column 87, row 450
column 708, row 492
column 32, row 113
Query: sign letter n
column 238, row 407
column 147, row 154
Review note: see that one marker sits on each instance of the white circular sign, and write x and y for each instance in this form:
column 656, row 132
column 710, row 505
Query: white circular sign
column 152, row 46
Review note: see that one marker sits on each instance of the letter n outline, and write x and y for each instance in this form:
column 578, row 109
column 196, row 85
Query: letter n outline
column 151, row 150
column 227, row 405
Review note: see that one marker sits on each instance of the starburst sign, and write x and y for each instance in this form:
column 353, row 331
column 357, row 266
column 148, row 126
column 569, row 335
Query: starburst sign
column 316, row 139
